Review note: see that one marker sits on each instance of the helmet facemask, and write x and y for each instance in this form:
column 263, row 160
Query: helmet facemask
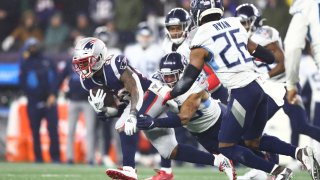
column 248, row 22
column 177, row 32
column 85, row 66
column 90, row 54
column 170, row 77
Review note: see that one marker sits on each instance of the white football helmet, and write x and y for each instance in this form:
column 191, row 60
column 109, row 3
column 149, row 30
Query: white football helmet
column 89, row 56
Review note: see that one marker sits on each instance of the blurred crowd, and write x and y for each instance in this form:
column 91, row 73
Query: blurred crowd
column 57, row 23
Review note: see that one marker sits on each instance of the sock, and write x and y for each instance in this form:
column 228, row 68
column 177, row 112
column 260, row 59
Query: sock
column 190, row 154
column 246, row 157
column 165, row 163
column 172, row 121
column 129, row 148
column 275, row 145
column 167, row 170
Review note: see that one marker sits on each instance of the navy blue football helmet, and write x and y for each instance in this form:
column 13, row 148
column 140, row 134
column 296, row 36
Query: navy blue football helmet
column 201, row 8
column 177, row 23
column 249, row 15
column 171, row 67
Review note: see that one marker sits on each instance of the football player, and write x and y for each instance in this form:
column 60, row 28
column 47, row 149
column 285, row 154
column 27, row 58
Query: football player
column 203, row 110
column 97, row 69
column 304, row 25
column 178, row 38
column 223, row 45
column 269, row 37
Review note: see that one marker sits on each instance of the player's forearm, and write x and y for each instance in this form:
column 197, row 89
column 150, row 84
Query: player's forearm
column 183, row 85
column 292, row 67
column 279, row 68
column 263, row 54
column 189, row 107
column 279, row 57
column 130, row 83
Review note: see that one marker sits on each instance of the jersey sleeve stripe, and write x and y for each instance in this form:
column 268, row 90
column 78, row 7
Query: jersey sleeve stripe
column 115, row 69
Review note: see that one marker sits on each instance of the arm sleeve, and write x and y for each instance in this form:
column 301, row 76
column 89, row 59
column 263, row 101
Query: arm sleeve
column 294, row 43
column 189, row 76
column 264, row 55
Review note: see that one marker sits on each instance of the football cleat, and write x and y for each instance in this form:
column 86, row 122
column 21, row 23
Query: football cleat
column 226, row 166
column 310, row 163
column 286, row 174
column 161, row 175
column 125, row 173
column 254, row 174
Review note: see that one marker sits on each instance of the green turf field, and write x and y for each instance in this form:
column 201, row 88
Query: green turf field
column 29, row 171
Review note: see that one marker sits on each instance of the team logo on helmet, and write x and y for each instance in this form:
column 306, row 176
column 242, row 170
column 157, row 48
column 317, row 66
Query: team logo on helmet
column 89, row 45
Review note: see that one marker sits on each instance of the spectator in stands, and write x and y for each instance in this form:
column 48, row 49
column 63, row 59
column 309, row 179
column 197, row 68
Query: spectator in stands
column 128, row 14
column 38, row 82
column 56, row 34
column 44, row 9
column 101, row 11
column 145, row 54
column 78, row 104
column 27, row 28
column 229, row 8
column 82, row 28
column 9, row 17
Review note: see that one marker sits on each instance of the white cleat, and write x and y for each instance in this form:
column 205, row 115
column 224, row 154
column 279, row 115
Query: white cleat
column 286, row 174
column 254, row 174
column 310, row 163
column 225, row 165
column 125, row 173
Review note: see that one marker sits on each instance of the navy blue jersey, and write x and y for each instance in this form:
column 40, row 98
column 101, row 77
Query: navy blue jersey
column 112, row 71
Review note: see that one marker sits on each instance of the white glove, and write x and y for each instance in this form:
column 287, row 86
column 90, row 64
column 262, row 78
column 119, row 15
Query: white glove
column 130, row 125
column 7, row 43
column 97, row 101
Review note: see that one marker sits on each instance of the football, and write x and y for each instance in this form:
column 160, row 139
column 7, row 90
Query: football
column 111, row 98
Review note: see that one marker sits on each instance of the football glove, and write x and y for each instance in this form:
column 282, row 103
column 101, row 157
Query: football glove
column 130, row 125
column 145, row 122
column 97, row 101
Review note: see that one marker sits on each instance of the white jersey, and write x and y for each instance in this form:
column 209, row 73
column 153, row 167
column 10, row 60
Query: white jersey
column 304, row 24
column 209, row 111
column 183, row 48
column 264, row 36
column 226, row 41
column 145, row 60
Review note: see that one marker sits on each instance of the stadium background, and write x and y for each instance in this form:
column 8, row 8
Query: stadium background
column 81, row 17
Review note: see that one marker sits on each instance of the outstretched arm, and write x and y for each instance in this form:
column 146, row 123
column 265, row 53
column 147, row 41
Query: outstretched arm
column 192, row 71
column 187, row 111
